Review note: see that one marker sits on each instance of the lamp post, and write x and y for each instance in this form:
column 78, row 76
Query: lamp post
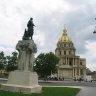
column 94, row 29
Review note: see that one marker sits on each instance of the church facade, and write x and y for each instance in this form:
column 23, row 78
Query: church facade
column 70, row 65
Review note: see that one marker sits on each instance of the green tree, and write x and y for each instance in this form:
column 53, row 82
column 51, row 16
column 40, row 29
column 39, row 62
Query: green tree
column 2, row 60
column 12, row 62
column 45, row 64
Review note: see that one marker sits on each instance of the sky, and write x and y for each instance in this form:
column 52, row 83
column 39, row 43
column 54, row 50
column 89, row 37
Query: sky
column 49, row 17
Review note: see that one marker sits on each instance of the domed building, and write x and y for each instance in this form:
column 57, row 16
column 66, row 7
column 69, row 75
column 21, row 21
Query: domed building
column 70, row 65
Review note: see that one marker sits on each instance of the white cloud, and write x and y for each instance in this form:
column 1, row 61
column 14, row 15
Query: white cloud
column 49, row 18
column 7, row 50
column 15, row 13
column 90, row 55
column 40, row 39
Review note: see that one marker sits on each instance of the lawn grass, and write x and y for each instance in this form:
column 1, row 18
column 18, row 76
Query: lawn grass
column 47, row 91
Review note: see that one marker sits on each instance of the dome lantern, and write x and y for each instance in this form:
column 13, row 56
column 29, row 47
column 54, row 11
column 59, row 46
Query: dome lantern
column 64, row 37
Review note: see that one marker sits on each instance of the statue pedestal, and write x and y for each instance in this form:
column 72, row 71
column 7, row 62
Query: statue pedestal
column 22, row 81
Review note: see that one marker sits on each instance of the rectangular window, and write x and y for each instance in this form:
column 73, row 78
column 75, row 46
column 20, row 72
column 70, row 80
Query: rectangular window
column 64, row 45
column 69, row 52
column 60, row 52
column 64, row 52
column 80, row 63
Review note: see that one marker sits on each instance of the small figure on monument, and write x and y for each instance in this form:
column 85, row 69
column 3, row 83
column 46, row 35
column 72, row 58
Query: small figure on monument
column 30, row 31
column 30, row 26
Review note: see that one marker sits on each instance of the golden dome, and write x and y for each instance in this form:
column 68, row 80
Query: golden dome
column 64, row 37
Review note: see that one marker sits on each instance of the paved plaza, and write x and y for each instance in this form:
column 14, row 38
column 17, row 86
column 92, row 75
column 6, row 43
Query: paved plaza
column 68, row 83
column 87, row 88
column 87, row 91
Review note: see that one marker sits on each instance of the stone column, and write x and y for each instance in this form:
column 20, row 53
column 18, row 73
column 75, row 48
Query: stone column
column 73, row 72
column 68, row 61
column 79, row 72
column 73, row 61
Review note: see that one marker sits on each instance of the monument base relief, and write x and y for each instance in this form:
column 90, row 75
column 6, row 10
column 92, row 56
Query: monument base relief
column 24, row 79
column 19, row 81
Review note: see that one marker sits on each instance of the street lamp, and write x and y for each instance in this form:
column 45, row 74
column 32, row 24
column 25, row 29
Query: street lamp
column 95, row 28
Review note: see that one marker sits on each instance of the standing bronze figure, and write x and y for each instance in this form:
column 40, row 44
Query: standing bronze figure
column 29, row 33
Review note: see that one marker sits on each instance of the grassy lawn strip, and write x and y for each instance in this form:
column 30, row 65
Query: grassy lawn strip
column 47, row 91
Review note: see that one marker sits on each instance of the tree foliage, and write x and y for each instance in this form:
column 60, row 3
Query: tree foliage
column 2, row 60
column 12, row 62
column 45, row 64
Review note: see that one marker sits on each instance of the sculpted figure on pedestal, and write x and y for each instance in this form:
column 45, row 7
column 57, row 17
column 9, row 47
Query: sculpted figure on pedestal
column 26, row 54
column 29, row 33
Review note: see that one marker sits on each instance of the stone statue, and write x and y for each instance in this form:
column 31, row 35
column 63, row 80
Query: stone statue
column 29, row 33
column 26, row 49
column 24, row 79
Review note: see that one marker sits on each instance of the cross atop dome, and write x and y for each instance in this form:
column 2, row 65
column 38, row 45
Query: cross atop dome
column 65, row 30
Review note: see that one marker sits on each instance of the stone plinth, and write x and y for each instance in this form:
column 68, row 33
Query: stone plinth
column 26, row 49
column 22, row 81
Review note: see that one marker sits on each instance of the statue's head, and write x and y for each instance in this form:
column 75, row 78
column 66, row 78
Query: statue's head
column 31, row 18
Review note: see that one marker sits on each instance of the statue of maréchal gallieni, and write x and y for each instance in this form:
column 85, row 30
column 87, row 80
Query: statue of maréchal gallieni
column 24, row 79
column 27, row 48
column 29, row 32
